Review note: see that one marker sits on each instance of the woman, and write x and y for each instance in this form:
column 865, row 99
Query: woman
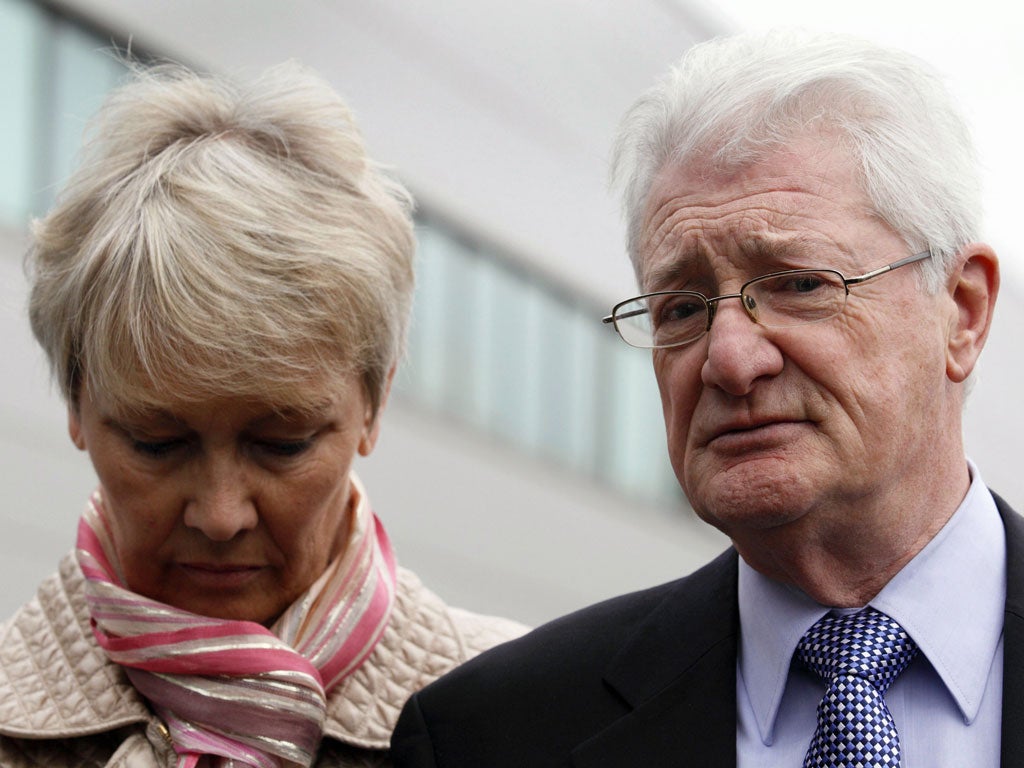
column 222, row 291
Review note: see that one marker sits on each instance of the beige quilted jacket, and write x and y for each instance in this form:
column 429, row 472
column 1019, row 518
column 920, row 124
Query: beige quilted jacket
column 63, row 704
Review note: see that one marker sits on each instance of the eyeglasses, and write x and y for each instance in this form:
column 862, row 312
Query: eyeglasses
column 779, row 300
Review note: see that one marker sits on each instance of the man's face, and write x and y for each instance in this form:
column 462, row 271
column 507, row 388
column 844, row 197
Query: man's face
column 815, row 430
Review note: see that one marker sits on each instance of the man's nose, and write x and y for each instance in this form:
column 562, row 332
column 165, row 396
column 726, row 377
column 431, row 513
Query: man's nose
column 222, row 503
column 738, row 350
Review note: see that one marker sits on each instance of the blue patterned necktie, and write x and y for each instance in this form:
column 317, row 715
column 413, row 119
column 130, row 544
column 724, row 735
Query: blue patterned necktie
column 858, row 655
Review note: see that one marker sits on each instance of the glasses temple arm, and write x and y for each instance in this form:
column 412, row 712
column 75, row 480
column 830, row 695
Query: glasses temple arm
column 888, row 268
column 623, row 315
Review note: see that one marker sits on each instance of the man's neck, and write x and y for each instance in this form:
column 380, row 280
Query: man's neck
column 847, row 563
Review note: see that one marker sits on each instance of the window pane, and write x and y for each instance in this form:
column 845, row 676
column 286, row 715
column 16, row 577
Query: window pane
column 464, row 335
column 513, row 369
column 21, row 29
column 637, row 456
column 84, row 70
column 568, row 399
column 497, row 349
column 423, row 372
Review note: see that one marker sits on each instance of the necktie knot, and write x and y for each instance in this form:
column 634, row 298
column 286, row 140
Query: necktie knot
column 858, row 655
column 868, row 644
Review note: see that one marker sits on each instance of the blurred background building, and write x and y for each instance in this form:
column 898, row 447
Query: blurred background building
column 522, row 466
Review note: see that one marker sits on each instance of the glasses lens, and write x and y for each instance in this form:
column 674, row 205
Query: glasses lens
column 797, row 297
column 662, row 319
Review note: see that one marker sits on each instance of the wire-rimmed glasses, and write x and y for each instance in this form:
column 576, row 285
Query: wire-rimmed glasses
column 777, row 300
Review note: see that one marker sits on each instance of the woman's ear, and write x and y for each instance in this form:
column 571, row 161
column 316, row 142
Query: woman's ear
column 973, row 287
column 371, row 427
column 75, row 426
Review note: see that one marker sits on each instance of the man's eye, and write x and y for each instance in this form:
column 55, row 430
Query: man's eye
column 800, row 284
column 679, row 309
column 807, row 284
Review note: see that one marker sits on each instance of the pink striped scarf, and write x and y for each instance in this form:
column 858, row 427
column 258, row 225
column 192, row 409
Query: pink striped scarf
column 234, row 690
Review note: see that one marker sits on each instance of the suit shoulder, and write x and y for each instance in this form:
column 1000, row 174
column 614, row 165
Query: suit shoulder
column 582, row 642
column 558, row 683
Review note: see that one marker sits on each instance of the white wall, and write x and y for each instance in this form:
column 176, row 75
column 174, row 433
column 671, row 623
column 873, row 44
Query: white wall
column 498, row 114
column 464, row 102
column 484, row 526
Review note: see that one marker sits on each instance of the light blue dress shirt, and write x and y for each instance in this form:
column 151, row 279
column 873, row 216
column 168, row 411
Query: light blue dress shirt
column 946, row 706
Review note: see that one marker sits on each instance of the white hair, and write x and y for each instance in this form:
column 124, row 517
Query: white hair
column 731, row 101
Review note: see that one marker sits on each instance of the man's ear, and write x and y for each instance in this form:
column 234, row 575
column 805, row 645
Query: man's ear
column 371, row 428
column 973, row 287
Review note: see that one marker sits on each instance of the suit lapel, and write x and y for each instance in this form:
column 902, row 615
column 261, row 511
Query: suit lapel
column 678, row 674
column 1013, row 638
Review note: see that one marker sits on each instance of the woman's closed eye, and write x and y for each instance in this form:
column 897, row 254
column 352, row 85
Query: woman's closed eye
column 156, row 447
column 284, row 448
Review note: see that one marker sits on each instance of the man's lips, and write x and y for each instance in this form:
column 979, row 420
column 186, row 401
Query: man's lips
column 752, row 431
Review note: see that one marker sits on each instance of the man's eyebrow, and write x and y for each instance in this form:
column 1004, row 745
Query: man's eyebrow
column 755, row 250
column 780, row 250
column 664, row 275
column 685, row 261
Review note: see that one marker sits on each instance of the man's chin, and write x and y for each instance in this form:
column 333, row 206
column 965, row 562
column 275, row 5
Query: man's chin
column 741, row 523
column 760, row 500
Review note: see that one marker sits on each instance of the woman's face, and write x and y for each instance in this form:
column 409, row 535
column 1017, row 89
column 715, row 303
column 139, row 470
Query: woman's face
column 227, row 508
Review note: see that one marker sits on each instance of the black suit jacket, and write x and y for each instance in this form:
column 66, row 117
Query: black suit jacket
column 647, row 679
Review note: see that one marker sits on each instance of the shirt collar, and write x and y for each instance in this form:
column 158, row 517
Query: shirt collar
column 935, row 598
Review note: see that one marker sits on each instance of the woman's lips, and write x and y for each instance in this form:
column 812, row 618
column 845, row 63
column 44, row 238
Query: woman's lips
column 220, row 576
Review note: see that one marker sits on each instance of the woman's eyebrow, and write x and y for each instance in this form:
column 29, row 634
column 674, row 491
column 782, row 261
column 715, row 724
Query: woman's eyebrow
column 288, row 414
column 127, row 415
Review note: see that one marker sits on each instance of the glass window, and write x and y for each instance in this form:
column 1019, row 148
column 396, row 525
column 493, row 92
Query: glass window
column 499, row 349
column 465, row 337
column 84, row 70
column 637, row 452
column 482, row 366
column 569, row 381
column 423, row 373
column 21, row 30
column 513, row 371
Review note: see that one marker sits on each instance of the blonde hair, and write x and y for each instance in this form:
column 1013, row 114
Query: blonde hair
column 222, row 238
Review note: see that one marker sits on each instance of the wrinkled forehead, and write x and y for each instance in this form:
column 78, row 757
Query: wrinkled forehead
column 778, row 211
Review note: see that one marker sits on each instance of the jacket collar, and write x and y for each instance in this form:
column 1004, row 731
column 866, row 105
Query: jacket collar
column 56, row 682
column 678, row 673
column 1013, row 637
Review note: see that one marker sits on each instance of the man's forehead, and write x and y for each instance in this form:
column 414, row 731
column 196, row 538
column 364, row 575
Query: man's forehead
column 748, row 255
column 782, row 208
column 816, row 161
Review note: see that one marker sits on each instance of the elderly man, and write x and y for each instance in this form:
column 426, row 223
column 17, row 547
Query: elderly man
column 803, row 219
